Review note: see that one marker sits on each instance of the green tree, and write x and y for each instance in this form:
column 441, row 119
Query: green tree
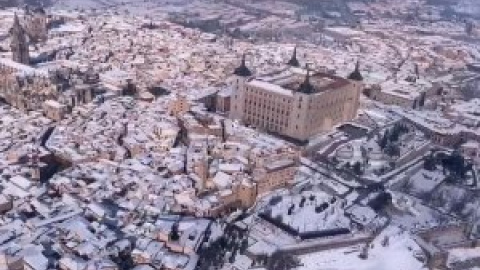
column 392, row 150
column 174, row 235
column 384, row 140
column 456, row 165
column 421, row 102
column 429, row 163
column 394, row 134
column 282, row 261
column 357, row 168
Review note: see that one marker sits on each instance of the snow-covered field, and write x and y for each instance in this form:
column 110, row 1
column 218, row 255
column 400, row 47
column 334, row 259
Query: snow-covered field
column 319, row 211
column 415, row 216
column 399, row 254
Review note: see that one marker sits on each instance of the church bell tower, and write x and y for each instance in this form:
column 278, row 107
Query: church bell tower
column 19, row 43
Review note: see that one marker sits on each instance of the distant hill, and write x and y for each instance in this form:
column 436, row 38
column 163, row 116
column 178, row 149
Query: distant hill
column 9, row 3
column 469, row 7
column 21, row 3
column 459, row 7
column 463, row 8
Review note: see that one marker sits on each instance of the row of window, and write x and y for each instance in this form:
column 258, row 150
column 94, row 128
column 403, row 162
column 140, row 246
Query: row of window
column 261, row 93
column 268, row 102
column 266, row 109
column 274, row 126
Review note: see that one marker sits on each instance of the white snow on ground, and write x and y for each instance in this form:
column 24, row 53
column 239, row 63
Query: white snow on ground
column 305, row 218
column 399, row 254
column 414, row 215
column 425, row 181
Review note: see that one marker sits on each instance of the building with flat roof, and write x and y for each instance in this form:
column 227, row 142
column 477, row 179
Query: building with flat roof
column 293, row 102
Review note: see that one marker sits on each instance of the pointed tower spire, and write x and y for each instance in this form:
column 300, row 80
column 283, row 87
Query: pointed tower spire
column 306, row 87
column 307, row 77
column 243, row 70
column 19, row 42
column 294, row 61
column 16, row 21
column 356, row 75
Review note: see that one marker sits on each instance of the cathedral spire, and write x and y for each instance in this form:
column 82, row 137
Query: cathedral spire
column 19, row 42
column 294, row 61
column 16, row 22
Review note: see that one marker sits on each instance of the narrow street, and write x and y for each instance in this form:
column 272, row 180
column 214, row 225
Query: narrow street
column 121, row 142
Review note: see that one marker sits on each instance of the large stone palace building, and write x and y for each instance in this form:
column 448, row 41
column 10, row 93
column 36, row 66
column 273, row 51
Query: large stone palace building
column 294, row 102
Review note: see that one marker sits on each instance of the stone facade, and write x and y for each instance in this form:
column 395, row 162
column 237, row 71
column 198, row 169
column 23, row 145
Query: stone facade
column 293, row 103
column 23, row 87
column 275, row 175
column 179, row 106
column 28, row 88
column 438, row 241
